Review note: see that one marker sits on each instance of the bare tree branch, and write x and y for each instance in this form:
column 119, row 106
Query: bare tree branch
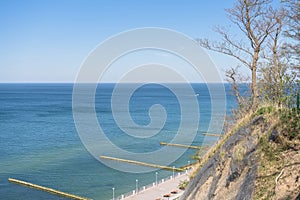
column 256, row 20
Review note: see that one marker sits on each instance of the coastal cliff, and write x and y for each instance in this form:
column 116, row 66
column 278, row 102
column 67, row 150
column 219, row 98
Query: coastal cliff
column 258, row 159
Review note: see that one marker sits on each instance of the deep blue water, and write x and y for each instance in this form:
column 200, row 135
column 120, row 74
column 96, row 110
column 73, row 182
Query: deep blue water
column 39, row 142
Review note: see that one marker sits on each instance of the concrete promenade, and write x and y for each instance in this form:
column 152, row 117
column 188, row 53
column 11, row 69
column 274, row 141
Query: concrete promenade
column 158, row 191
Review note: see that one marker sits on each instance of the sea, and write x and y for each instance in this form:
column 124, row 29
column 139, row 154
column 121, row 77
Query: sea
column 40, row 143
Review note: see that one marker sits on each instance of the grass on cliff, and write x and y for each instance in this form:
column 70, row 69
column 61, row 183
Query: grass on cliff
column 276, row 155
column 287, row 124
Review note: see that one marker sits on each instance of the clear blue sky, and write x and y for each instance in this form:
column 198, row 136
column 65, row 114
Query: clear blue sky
column 47, row 40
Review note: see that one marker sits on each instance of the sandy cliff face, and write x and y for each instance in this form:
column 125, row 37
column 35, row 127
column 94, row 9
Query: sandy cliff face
column 251, row 163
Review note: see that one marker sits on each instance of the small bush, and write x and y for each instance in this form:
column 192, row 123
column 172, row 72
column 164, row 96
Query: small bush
column 183, row 184
column 290, row 122
column 265, row 110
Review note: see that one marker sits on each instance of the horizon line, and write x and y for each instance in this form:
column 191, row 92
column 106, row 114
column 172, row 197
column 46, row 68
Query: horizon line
column 113, row 82
column 28, row 82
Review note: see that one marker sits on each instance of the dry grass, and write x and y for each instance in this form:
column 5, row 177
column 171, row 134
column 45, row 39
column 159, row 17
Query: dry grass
column 274, row 158
column 239, row 152
column 221, row 141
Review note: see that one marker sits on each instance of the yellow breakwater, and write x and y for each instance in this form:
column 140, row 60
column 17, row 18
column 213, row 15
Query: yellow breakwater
column 213, row 134
column 63, row 194
column 182, row 145
column 141, row 163
column 185, row 167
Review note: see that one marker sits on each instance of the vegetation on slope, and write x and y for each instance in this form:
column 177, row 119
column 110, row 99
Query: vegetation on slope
column 257, row 159
column 279, row 150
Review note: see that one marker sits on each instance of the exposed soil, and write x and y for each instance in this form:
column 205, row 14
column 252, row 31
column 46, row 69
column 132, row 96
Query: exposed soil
column 249, row 164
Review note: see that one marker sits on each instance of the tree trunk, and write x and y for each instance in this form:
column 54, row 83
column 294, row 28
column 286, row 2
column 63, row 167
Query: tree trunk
column 254, row 84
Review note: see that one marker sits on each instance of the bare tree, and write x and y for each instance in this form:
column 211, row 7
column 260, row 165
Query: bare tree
column 231, row 75
column 293, row 30
column 253, row 19
column 276, row 79
column 239, row 84
column 236, row 78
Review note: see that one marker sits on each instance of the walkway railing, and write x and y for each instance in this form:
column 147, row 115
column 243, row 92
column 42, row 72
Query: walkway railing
column 152, row 185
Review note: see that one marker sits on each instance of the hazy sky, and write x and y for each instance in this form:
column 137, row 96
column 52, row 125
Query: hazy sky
column 47, row 40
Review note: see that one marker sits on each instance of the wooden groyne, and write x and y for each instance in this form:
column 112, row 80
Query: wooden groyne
column 213, row 134
column 182, row 145
column 53, row 191
column 141, row 163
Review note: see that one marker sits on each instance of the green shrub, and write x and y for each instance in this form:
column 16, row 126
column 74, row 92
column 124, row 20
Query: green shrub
column 290, row 122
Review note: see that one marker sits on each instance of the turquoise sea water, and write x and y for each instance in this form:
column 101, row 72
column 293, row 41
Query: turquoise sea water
column 39, row 142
